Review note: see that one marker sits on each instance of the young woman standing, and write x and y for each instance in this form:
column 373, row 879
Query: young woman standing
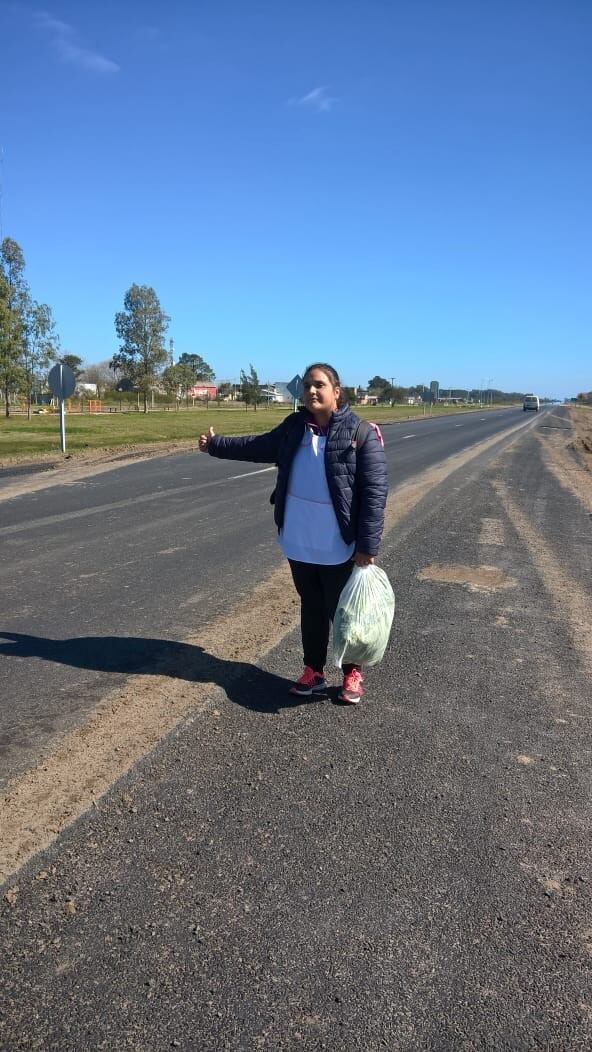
column 329, row 508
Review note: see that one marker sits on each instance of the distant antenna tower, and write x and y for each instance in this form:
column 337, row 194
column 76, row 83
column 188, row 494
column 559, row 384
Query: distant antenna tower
column 171, row 351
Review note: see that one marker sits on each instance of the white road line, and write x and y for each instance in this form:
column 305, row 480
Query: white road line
column 246, row 474
column 408, row 436
column 458, row 425
column 100, row 509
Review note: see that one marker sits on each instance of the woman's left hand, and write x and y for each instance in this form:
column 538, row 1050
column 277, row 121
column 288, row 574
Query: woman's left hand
column 361, row 559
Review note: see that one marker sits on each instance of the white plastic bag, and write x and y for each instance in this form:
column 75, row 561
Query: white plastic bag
column 363, row 619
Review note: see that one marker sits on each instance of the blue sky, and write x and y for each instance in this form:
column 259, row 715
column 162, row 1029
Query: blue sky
column 399, row 188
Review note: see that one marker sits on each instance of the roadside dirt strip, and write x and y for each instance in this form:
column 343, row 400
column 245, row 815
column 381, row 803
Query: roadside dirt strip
column 576, row 608
column 131, row 721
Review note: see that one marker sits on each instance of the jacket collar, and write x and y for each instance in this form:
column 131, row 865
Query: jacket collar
column 338, row 417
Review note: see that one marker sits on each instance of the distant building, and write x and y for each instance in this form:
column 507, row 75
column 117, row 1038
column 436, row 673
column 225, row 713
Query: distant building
column 280, row 393
column 86, row 389
column 203, row 391
column 435, row 390
column 363, row 398
column 276, row 393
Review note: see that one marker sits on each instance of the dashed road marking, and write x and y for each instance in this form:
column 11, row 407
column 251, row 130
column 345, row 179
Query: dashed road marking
column 245, row 474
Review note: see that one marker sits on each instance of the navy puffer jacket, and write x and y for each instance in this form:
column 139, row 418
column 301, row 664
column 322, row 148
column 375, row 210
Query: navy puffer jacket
column 357, row 479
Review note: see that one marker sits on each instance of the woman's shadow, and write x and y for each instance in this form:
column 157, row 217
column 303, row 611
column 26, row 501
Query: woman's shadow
column 243, row 683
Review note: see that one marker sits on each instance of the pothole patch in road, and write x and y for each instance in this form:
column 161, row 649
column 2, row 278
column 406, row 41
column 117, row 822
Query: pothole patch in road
column 475, row 578
column 492, row 532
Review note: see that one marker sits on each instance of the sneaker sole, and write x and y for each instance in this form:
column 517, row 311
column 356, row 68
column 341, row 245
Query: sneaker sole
column 350, row 700
column 303, row 692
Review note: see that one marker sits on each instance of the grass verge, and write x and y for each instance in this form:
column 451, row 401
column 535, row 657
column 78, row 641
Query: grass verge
column 21, row 438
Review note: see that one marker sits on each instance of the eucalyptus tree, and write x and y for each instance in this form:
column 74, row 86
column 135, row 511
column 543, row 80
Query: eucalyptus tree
column 250, row 386
column 10, row 368
column 199, row 369
column 178, row 380
column 14, row 305
column 141, row 326
column 39, row 347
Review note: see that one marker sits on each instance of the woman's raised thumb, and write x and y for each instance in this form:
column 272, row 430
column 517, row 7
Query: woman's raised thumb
column 212, row 432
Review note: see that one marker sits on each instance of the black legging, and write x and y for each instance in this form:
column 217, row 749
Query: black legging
column 319, row 588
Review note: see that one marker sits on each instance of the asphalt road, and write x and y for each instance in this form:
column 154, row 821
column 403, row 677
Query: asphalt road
column 147, row 551
column 411, row 874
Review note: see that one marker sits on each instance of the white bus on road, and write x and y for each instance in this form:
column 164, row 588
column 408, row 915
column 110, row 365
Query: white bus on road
column 531, row 401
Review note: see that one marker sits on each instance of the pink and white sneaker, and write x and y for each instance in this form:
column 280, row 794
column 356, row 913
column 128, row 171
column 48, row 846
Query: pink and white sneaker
column 310, row 682
column 352, row 689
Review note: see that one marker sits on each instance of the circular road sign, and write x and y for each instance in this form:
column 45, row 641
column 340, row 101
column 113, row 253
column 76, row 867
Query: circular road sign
column 61, row 381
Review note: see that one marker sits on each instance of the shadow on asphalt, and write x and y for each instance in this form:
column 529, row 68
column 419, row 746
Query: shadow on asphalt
column 243, row 683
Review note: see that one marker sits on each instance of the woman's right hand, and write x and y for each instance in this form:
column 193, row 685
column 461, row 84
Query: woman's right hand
column 204, row 440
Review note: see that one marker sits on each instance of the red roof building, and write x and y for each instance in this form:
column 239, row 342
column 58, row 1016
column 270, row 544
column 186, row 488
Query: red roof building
column 203, row 391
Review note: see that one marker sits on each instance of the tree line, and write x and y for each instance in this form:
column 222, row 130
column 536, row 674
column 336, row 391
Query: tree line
column 28, row 340
column 380, row 388
column 29, row 343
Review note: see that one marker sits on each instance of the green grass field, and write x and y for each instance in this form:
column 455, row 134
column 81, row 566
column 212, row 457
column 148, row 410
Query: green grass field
column 20, row 437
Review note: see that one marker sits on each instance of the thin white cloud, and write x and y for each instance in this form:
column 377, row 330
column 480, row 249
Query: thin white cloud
column 63, row 39
column 318, row 99
column 46, row 21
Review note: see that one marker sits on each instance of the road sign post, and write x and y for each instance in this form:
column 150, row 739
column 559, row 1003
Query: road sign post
column 62, row 383
column 296, row 388
column 62, row 426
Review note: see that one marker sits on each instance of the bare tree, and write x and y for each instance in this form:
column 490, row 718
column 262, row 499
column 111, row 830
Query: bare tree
column 101, row 375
